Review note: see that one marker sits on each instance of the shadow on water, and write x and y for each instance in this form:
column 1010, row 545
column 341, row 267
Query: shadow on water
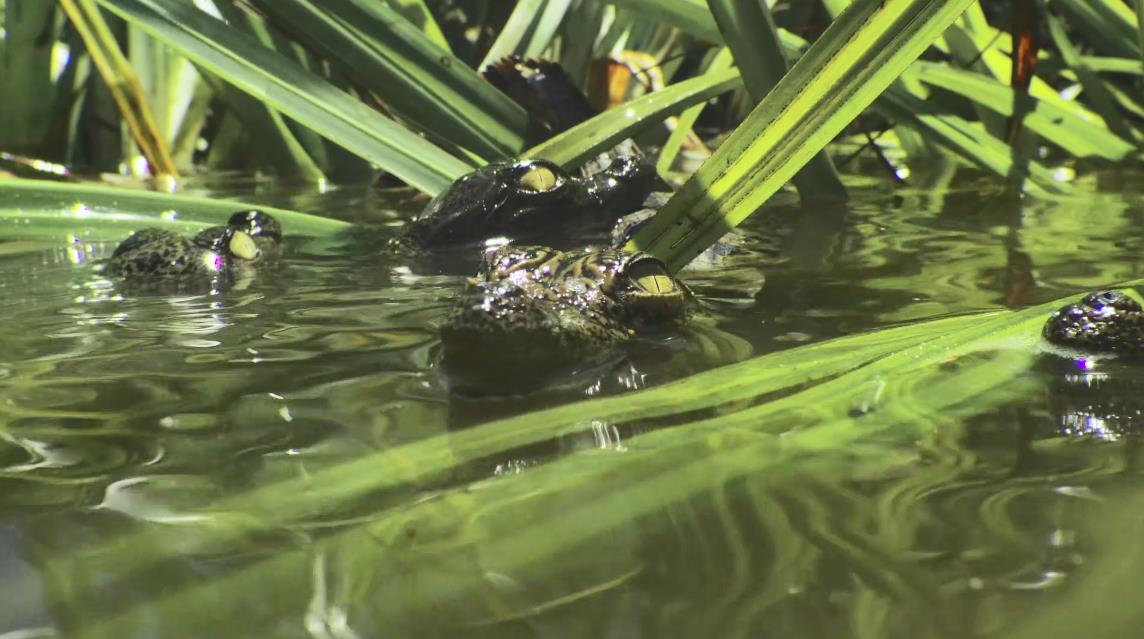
column 280, row 460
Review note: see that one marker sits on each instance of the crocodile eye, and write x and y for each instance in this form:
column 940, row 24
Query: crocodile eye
column 538, row 179
column 650, row 278
column 243, row 247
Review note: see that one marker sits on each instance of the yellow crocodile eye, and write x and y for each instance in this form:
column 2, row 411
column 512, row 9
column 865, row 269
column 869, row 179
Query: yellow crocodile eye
column 243, row 247
column 539, row 179
column 649, row 278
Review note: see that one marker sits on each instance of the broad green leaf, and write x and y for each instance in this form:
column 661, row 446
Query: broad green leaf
column 415, row 79
column 1063, row 128
column 857, row 57
column 40, row 209
column 750, row 32
column 293, row 90
column 586, row 139
column 529, row 29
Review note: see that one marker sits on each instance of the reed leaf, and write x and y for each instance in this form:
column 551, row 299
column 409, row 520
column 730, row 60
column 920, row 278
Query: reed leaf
column 857, row 57
column 25, row 69
column 845, row 399
column 683, row 126
column 750, row 32
column 416, row 80
column 969, row 141
column 417, row 12
column 529, row 29
column 1064, row 128
column 1109, row 25
column 124, row 85
column 42, row 209
column 605, row 130
column 691, row 16
column 293, row 90
column 1098, row 93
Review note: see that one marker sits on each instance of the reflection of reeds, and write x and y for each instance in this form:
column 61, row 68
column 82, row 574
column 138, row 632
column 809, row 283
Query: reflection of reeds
column 812, row 464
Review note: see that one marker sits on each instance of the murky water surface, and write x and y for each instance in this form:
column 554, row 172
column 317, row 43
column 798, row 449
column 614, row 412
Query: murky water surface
column 281, row 460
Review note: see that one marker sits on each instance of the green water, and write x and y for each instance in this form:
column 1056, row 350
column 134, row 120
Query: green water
column 246, row 464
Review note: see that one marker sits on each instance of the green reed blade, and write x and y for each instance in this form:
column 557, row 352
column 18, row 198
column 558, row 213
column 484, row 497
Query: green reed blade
column 750, row 32
column 41, row 209
column 857, row 57
column 604, row 131
column 417, row 12
column 529, row 29
column 683, row 126
column 850, row 397
column 969, row 141
column 690, row 16
column 1064, row 128
column 293, row 90
column 415, row 79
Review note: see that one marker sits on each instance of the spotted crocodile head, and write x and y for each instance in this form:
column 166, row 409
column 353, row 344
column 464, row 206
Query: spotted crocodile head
column 533, row 313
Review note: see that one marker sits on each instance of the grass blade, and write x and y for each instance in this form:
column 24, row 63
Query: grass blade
column 857, row 57
column 749, row 30
column 683, row 126
column 419, row 14
column 1098, row 93
column 586, row 139
column 293, row 90
column 1064, row 128
column 48, row 210
column 529, row 29
column 691, row 16
column 120, row 78
column 415, row 79
column 894, row 385
column 969, row 141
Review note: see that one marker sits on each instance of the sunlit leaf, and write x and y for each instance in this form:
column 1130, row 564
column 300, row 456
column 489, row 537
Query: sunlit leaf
column 417, row 80
column 868, row 46
column 750, row 32
column 53, row 210
column 293, row 90
column 603, row 131
column 1063, row 128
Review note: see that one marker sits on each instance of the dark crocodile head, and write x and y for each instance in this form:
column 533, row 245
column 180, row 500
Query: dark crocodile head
column 533, row 200
column 1095, row 386
column 533, row 313
column 1108, row 322
column 210, row 257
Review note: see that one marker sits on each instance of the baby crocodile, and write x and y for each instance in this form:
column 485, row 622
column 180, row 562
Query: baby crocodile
column 1095, row 386
column 534, row 200
column 531, row 201
column 214, row 254
column 1107, row 322
column 533, row 312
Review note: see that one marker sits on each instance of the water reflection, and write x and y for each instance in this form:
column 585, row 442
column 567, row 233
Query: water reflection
column 285, row 456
